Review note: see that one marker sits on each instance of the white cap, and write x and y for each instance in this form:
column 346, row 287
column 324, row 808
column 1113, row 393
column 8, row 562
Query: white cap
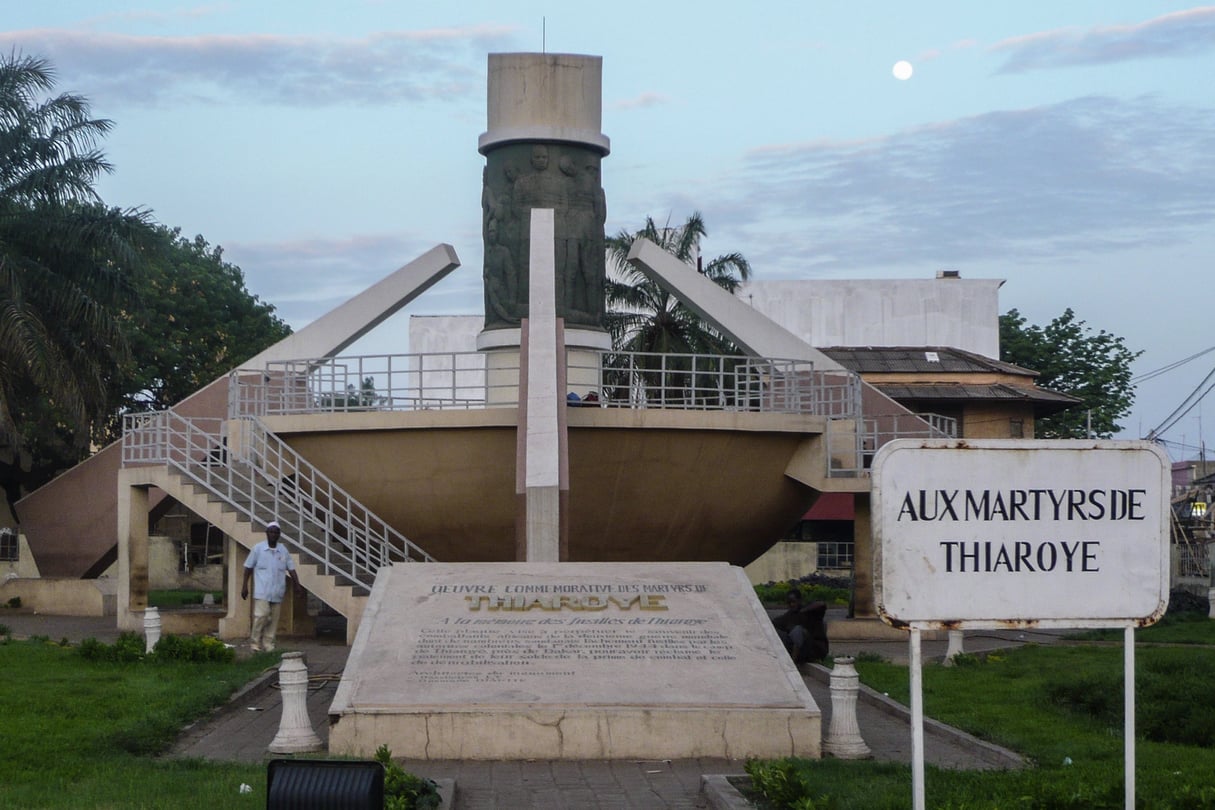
column 273, row 525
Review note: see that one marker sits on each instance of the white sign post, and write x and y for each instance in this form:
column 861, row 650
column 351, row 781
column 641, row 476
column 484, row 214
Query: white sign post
column 993, row 534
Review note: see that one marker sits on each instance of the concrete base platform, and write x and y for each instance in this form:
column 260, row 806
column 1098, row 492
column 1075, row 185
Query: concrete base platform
column 567, row 661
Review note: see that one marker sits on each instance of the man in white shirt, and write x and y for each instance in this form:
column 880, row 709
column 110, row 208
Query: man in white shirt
column 270, row 565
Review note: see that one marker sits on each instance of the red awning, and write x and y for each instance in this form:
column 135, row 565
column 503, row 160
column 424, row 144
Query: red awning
column 832, row 506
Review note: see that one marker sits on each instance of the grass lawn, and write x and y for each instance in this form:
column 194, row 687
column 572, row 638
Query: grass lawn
column 1062, row 707
column 77, row 733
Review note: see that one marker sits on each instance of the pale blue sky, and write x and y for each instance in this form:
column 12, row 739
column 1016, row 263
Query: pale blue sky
column 1068, row 147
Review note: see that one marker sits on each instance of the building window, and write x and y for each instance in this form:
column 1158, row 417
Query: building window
column 1016, row 428
column 833, row 539
column 835, row 555
column 9, row 551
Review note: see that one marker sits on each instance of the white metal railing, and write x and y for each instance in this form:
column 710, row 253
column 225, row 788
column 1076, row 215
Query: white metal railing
column 887, row 427
column 940, row 426
column 851, row 444
column 466, row 380
column 712, row 382
column 384, row 382
column 474, row 380
column 264, row 479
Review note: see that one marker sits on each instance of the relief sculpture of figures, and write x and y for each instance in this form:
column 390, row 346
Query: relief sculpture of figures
column 564, row 178
column 592, row 247
column 504, row 282
column 501, row 279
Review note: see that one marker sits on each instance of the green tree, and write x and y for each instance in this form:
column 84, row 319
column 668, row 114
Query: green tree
column 65, row 265
column 364, row 398
column 643, row 317
column 1070, row 357
column 194, row 321
column 101, row 311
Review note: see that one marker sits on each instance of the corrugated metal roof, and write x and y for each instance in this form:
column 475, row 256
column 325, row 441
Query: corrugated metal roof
column 964, row 391
column 1043, row 400
column 919, row 359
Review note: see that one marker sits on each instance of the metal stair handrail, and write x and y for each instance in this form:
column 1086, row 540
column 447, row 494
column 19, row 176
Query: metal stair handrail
column 262, row 478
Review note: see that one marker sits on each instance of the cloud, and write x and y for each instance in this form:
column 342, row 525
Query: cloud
column 306, row 278
column 647, row 99
column 382, row 68
column 316, row 274
column 1084, row 177
column 1181, row 33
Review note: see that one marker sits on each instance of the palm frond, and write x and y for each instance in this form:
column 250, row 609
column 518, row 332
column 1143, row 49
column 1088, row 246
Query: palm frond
column 65, row 260
column 642, row 316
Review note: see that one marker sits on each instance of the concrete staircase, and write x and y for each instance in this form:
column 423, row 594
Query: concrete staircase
column 240, row 486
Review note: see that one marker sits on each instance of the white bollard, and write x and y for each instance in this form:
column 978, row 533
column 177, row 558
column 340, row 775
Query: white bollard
column 955, row 647
column 843, row 739
column 295, row 734
column 1211, row 599
column 151, row 628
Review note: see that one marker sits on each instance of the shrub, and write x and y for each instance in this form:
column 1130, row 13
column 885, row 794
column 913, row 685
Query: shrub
column 814, row 588
column 783, row 784
column 1182, row 601
column 870, row 657
column 15, row 602
column 404, row 791
column 128, row 647
column 131, row 647
column 968, row 660
column 193, row 648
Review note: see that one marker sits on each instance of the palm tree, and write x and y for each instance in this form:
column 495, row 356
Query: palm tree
column 64, row 258
column 643, row 317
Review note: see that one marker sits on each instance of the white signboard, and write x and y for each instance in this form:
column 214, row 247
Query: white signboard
column 991, row 533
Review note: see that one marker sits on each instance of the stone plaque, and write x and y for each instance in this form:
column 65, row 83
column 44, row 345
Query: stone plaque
column 671, row 646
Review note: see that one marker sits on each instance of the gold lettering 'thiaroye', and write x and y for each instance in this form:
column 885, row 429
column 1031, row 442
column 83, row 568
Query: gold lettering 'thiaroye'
column 644, row 601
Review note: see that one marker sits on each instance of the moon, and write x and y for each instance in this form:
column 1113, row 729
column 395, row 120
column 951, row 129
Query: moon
column 902, row 70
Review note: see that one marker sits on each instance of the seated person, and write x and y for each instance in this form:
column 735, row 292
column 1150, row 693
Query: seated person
column 803, row 629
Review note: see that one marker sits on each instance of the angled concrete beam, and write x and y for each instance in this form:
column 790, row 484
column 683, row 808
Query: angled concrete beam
column 69, row 541
column 752, row 331
column 338, row 328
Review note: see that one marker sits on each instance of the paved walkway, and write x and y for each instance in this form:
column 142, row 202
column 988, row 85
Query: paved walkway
column 243, row 729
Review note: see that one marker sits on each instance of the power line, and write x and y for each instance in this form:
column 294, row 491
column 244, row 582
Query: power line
column 1152, row 374
column 1185, row 407
column 1183, row 447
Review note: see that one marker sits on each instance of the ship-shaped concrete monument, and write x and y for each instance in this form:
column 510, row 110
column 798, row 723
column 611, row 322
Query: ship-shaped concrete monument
column 520, row 578
column 547, row 657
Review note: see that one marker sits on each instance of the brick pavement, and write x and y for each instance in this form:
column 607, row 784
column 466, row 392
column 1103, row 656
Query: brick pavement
column 242, row 730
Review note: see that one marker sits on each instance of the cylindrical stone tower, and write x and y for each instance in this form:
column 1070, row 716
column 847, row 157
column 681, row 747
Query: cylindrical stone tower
column 543, row 149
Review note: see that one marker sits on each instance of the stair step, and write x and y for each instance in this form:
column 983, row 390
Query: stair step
column 234, row 486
